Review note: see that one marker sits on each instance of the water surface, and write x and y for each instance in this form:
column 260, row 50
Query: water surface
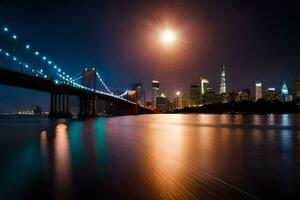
column 151, row 157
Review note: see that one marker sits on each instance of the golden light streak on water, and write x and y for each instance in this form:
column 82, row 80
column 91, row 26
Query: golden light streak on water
column 62, row 162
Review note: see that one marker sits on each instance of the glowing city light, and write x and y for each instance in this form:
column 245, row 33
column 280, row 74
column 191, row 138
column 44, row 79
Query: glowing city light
column 37, row 53
column 14, row 37
column 5, row 29
column 178, row 93
column 27, row 46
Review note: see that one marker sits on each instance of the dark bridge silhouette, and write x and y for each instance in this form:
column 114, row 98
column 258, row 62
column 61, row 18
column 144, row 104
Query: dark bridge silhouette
column 61, row 92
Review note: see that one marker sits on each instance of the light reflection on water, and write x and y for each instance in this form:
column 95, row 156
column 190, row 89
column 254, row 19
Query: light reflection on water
column 62, row 162
column 152, row 157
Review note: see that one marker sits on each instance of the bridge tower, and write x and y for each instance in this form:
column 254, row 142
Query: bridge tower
column 87, row 106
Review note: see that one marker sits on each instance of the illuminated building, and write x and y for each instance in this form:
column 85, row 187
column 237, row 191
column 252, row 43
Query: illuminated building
column 232, row 96
column 223, row 81
column 171, row 103
column 210, row 96
column 162, row 103
column 244, row 95
column 178, row 101
column 297, row 88
column 194, row 95
column 132, row 95
column 271, row 94
column 155, row 91
column 258, row 90
column 140, row 93
column 285, row 93
column 223, row 98
column 203, row 85
column 284, row 90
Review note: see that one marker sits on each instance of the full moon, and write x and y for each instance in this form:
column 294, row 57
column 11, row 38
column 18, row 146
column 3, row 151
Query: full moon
column 168, row 37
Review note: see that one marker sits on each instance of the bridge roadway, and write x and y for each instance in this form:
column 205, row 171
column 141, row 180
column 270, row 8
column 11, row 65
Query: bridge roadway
column 60, row 101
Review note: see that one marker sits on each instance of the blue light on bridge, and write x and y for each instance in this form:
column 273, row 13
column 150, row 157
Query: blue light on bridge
column 5, row 29
column 44, row 58
column 26, row 66
column 56, row 82
column 14, row 36
column 7, row 54
column 54, row 66
column 14, row 58
column 37, row 53
column 49, row 62
column 27, row 46
column 0, row 50
column 45, row 76
column 59, row 70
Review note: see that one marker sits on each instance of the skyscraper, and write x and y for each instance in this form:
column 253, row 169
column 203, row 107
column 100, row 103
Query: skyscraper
column 284, row 90
column 271, row 94
column 244, row 95
column 203, row 85
column 258, row 90
column 155, row 91
column 297, row 88
column 140, row 93
column 223, row 81
column 162, row 103
column 194, row 95
column 285, row 93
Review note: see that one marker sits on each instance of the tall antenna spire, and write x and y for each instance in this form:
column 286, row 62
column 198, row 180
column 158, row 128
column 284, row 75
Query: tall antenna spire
column 223, row 81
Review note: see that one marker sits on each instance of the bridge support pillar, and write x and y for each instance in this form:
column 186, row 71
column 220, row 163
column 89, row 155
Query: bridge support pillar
column 87, row 107
column 63, row 104
column 68, row 106
column 60, row 106
column 94, row 106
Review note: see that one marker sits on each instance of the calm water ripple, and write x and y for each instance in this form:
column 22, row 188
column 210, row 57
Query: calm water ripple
column 151, row 157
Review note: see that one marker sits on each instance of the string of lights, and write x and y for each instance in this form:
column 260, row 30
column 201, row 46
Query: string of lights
column 124, row 94
column 37, row 53
column 25, row 65
column 59, row 72
column 102, row 82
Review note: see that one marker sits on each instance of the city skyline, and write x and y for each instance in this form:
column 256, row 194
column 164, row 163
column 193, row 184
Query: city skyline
column 212, row 38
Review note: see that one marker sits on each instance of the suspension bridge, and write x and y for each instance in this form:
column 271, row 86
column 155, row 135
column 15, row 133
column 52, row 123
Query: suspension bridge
column 37, row 71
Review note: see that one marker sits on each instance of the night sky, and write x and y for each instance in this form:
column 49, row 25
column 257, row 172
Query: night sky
column 256, row 40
